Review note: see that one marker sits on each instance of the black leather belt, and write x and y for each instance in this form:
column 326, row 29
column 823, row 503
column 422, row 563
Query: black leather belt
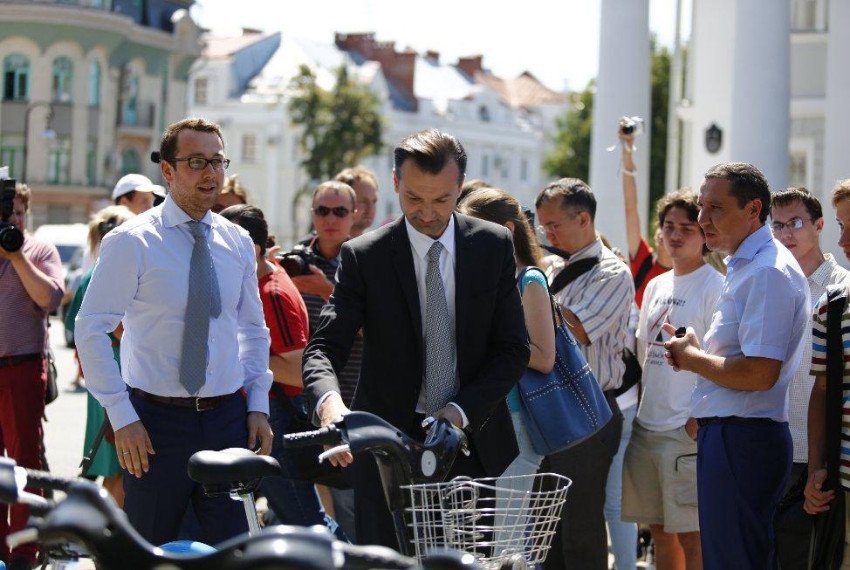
column 6, row 361
column 730, row 420
column 197, row 404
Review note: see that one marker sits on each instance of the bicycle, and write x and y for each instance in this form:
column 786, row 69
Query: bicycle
column 87, row 516
column 514, row 529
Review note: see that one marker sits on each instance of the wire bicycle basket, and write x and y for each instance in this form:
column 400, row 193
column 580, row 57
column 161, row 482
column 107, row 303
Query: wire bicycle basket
column 493, row 523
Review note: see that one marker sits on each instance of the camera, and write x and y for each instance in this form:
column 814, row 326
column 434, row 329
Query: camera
column 11, row 238
column 630, row 125
column 298, row 260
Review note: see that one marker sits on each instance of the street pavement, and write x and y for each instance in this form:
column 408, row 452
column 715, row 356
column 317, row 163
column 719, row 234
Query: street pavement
column 65, row 427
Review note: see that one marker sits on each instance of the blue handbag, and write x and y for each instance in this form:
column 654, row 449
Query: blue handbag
column 566, row 406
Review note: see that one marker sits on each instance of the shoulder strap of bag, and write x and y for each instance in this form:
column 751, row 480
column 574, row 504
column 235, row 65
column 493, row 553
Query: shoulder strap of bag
column 837, row 297
column 643, row 271
column 572, row 272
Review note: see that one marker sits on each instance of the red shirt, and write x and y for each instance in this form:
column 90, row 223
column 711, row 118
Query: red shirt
column 286, row 316
column 643, row 254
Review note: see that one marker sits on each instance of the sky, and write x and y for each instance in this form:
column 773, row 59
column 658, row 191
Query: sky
column 556, row 40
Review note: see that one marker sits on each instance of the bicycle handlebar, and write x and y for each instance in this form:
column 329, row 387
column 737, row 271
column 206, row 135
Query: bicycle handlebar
column 88, row 516
column 329, row 435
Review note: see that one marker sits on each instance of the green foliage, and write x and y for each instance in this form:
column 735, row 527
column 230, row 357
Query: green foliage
column 340, row 127
column 571, row 154
column 658, row 128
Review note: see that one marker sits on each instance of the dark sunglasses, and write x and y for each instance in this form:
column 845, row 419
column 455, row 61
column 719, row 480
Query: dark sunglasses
column 324, row 211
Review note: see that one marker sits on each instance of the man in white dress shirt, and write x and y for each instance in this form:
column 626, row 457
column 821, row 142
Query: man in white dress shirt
column 194, row 358
column 797, row 221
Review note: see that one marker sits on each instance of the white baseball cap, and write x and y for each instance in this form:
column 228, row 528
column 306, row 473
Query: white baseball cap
column 138, row 183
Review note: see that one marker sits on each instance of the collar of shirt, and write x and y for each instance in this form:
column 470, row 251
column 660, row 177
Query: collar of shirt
column 824, row 271
column 173, row 215
column 751, row 245
column 421, row 243
column 593, row 249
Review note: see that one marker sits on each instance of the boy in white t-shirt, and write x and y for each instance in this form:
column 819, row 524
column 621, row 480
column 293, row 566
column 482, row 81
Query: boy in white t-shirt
column 659, row 471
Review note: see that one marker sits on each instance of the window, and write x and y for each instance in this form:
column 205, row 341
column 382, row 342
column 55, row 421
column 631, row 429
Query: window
column 16, row 77
column 94, row 84
column 129, row 98
column 63, row 79
column 130, row 162
column 12, row 153
column 249, row 148
column 201, row 94
column 91, row 161
column 484, row 114
column 59, row 161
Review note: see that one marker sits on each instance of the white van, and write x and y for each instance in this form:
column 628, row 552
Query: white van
column 71, row 241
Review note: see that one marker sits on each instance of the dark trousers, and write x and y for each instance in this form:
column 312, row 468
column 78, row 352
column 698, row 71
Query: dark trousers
column 792, row 524
column 292, row 499
column 372, row 519
column 742, row 468
column 581, row 540
column 157, row 502
column 22, row 389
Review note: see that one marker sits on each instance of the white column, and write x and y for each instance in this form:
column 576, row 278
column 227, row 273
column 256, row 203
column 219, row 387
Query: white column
column 836, row 161
column 622, row 88
column 741, row 83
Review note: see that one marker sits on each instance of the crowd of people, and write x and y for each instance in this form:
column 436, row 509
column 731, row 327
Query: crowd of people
column 194, row 331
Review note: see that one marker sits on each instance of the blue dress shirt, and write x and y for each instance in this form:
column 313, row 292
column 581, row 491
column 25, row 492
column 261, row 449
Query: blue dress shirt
column 763, row 311
column 142, row 280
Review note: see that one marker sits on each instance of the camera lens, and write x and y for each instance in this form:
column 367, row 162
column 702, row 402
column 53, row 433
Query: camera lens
column 11, row 238
column 628, row 129
column 293, row 265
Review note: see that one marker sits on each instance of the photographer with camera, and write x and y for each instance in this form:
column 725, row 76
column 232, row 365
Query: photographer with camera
column 31, row 286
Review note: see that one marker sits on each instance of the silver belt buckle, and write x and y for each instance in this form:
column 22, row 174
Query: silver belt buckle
column 198, row 404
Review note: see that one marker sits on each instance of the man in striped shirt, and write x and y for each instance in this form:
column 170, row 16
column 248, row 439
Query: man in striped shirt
column 817, row 498
column 797, row 221
column 596, row 305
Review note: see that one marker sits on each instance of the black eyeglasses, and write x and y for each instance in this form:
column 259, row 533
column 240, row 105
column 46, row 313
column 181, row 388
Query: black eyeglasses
column 200, row 163
column 324, row 211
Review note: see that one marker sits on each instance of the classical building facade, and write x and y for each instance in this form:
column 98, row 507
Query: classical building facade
column 241, row 82
column 88, row 86
column 765, row 81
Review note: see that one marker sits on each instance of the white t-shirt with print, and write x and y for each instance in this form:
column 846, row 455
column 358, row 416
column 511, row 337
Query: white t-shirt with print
column 683, row 301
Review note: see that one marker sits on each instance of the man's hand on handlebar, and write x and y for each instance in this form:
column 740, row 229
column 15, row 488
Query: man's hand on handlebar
column 332, row 410
column 259, row 428
column 451, row 414
column 133, row 446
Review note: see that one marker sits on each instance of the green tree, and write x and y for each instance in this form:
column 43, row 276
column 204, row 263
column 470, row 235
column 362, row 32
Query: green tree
column 660, row 99
column 340, row 127
column 571, row 154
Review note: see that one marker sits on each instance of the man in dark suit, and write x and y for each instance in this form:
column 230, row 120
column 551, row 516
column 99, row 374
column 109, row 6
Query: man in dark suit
column 435, row 294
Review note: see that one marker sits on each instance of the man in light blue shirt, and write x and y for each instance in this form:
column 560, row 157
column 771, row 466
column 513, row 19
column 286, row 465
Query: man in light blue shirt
column 182, row 282
column 751, row 352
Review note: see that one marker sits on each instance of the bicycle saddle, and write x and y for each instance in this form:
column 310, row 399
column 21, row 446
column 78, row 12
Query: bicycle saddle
column 230, row 465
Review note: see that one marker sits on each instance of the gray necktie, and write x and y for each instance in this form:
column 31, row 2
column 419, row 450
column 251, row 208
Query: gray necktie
column 203, row 301
column 440, row 382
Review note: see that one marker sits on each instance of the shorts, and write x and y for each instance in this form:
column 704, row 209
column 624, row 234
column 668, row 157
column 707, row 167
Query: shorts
column 660, row 480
